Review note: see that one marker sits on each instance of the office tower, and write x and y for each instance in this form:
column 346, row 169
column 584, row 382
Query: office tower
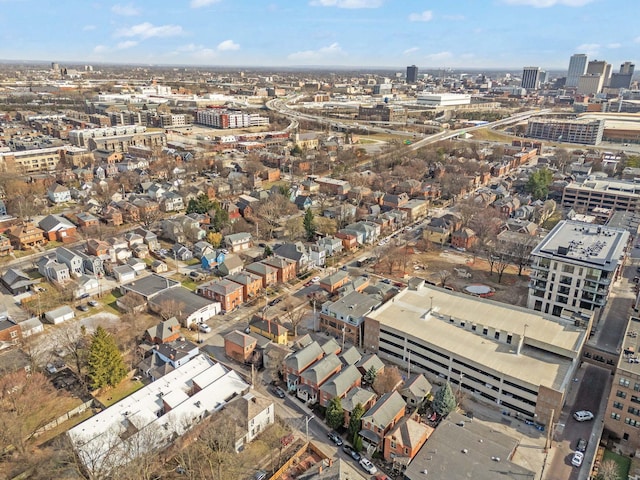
column 577, row 67
column 607, row 75
column 590, row 84
column 542, row 78
column 597, row 67
column 623, row 78
column 412, row 74
column 530, row 78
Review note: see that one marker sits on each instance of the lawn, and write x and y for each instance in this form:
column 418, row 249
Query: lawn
column 110, row 298
column 189, row 284
column 624, row 463
column 490, row 135
column 124, row 389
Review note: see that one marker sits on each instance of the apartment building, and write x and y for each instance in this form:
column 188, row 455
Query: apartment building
column 505, row 355
column 344, row 317
column 31, row 161
column 622, row 417
column 602, row 193
column 586, row 132
column 574, row 266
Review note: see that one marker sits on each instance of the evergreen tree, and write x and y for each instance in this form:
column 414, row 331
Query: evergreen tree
column 355, row 423
column 538, row 183
column 444, row 402
column 309, row 225
column 357, row 443
column 335, row 413
column 267, row 251
column 370, row 375
column 105, row 365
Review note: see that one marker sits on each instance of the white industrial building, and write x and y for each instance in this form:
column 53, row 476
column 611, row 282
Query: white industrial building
column 443, row 99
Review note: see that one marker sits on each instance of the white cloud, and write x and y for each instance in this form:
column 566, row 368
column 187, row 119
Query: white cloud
column 195, row 51
column 148, row 30
column 425, row 16
column 100, row 49
column 126, row 44
column 346, row 3
column 329, row 52
column 549, row 3
column 438, row 57
column 228, row 45
column 590, row 49
column 636, row 40
column 202, row 3
column 126, row 10
column 88, row 28
column 410, row 50
column 614, row 45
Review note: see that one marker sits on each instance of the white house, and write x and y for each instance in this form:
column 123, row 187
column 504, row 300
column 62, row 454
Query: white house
column 124, row 273
column 31, row 326
column 58, row 193
column 253, row 412
column 59, row 315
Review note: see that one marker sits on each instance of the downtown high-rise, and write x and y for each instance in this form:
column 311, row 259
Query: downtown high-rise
column 577, row 68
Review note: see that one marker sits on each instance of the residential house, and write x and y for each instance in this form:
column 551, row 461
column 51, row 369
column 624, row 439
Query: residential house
column 71, row 259
column 253, row 413
column 10, row 333
column 365, row 232
column 180, row 252
column 285, row 268
column 349, row 240
column 111, row 215
column 202, row 248
column 415, row 390
column 296, row 252
column 267, row 273
column 355, row 396
column 251, row 283
column 98, row 248
column 194, row 309
column 130, row 212
column 25, row 236
column 172, row 230
column 53, row 271
column 239, row 346
column 137, row 264
column 382, row 417
column 368, row 361
column 317, row 374
column 299, row 361
column 57, row 228
column 303, row 202
column 58, row 193
column 158, row 266
column 191, row 227
column 133, row 239
column 464, row 238
column 149, row 238
column 415, row 209
column 339, row 384
column 405, row 439
column 176, row 353
column 439, row 229
column 350, row 356
column 163, row 332
column 124, row 273
column 237, row 242
column 228, row 293
column 331, row 245
column 211, row 260
column 86, row 220
column 171, row 202
column 333, row 282
column 392, row 202
column 269, row 329
column 317, row 256
column 230, row 265
column 31, row 326
column 5, row 246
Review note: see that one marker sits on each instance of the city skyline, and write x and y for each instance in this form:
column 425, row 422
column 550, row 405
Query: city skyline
column 369, row 33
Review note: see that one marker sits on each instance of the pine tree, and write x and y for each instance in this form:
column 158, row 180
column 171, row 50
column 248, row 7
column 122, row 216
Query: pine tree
column 444, row 402
column 357, row 443
column 355, row 424
column 105, row 365
column 370, row 375
column 335, row 413
column 309, row 225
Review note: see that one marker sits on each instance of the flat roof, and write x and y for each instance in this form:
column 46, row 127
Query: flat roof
column 99, row 440
column 592, row 246
column 630, row 359
column 550, row 344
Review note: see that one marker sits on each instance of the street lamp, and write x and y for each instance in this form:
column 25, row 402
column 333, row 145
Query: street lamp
column 306, row 425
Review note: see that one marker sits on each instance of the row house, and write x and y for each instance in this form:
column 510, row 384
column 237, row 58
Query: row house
column 340, row 384
column 331, row 245
column 25, row 236
column 349, row 240
column 228, row 293
column 405, row 439
column 267, row 273
column 381, row 418
column 415, row 209
column 251, row 283
column 315, row 376
column 439, row 229
column 354, row 397
column 299, row 361
column 506, row 206
column 364, row 231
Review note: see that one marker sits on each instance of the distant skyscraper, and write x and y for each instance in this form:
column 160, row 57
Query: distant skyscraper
column 577, row 67
column 623, row 79
column 530, row 78
column 412, row 74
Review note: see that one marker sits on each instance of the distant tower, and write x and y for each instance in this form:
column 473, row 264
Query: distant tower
column 577, row 67
column 623, row 79
column 412, row 74
column 530, row 78
column 55, row 67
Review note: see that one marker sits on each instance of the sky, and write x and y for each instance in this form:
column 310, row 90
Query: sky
column 350, row 33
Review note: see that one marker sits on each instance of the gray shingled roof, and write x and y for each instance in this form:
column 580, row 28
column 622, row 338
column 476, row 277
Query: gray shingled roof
column 385, row 409
column 319, row 371
column 303, row 358
column 341, row 382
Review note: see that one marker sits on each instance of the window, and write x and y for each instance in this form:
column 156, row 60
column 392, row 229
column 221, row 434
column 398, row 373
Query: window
column 509, row 339
column 485, row 331
column 621, row 394
column 624, row 382
column 496, row 335
column 473, row 328
column 617, row 405
column 615, row 416
column 636, row 387
column 393, row 444
column 568, row 268
column 630, row 421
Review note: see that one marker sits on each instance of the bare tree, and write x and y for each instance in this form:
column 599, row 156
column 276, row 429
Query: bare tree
column 502, row 261
column 172, row 308
column 444, row 276
column 387, row 380
column 72, row 340
column 608, row 471
column 293, row 315
column 520, row 252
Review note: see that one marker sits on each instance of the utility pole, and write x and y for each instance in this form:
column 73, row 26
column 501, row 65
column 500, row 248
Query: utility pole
column 307, row 420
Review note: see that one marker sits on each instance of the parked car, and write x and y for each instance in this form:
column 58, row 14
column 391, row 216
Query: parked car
column 315, row 279
column 84, row 295
column 582, row 445
column 92, row 303
column 583, row 415
column 349, row 450
column 275, row 301
column 83, row 308
column 369, row 467
column 260, row 475
column 279, row 392
column 204, row 328
column 335, row 438
column 577, row 459
column 196, row 276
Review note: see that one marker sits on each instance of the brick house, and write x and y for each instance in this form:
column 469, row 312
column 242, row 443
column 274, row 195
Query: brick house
column 285, row 268
column 464, row 238
column 58, row 229
column 267, row 273
column 164, row 332
column 299, row 361
column 313, row 377
column 356, row 396
column 25, row 235
column 228, row 293
column 10, row 332
column 251, row 283
column 382, row 417
column 333, row 282
column 340, row 384
column 5, row 246
column 405, row 439
column 112, row 216
column 239, row 346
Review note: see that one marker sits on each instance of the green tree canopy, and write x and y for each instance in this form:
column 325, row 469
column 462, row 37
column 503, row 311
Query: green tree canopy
column 444, row 401
column 309, row 225
column 105, row 365
column 370, row 375
column 355, row 423
column 539, row 182
column 335, row 413
column 202, row 204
